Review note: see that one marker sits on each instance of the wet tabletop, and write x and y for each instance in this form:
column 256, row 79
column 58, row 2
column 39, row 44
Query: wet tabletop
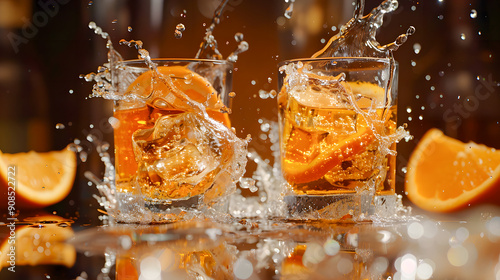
column 460, row 246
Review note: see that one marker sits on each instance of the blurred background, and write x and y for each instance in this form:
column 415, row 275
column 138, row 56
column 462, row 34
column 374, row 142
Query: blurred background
column 448, row 71
column 448, row 68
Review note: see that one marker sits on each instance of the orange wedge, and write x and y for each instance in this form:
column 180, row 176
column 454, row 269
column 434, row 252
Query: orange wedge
column 192, row 84
column 446, row 175
column 297, row 165
column 42, row 244
column 39, row 179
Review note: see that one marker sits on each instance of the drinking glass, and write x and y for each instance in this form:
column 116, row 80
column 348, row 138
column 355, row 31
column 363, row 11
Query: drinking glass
column 337, row 116
column 152, row 129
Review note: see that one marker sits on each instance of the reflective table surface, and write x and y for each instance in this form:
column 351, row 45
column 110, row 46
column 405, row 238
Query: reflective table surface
column 460, row 246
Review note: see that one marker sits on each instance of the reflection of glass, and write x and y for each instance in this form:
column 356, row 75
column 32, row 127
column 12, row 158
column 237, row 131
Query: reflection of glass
column 413, row 248
column 336, row 119
column 153, row 127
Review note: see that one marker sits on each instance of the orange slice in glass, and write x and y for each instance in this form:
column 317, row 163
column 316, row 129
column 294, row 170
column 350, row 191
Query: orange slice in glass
column 299, row 169
column 190, row 83
column 40, row 179
column 445, row 174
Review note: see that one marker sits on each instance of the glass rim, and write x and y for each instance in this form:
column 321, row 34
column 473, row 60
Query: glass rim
column 354, row 58
column 135, row 62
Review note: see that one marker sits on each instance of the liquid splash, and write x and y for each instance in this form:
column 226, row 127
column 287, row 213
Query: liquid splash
column 289, row 9
column 208, row 48
column 357, row 37
column 130, row 207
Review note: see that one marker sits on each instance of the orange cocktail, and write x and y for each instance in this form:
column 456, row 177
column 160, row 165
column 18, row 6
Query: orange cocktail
column 153, row 99
column 337, row 119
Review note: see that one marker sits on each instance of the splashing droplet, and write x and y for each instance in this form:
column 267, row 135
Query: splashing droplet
column 60, row 126
column 289, row 10
column 357, row 37
column 238, row 37
column 417, row 48
column 83, row 156
column 180, row 27
column 178, row 30
column 473, row 13
column 177, row 34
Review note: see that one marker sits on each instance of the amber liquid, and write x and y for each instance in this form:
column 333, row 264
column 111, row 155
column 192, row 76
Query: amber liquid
column 131, row 120
column 308, row 131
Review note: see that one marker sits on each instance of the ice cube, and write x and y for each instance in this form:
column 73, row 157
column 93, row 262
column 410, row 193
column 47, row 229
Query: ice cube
column 185, row 155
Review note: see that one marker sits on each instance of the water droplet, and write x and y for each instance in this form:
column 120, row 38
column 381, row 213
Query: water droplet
column 289, row 11
column 408, row 110
column 428, row 77
column 269, row 79
column 91, row 3
column 413, row 8
column 129, row 29
column 232, row 94
column 462, row 36
column 334, row 28
column 114, row 21
column 420, row 117
column 322, row 40
column 441, row 73
column 70, row 91
column 473, row 13
column 417, row 48
column 238, row 37
column 83, row 156
column 60, row 126
column 422, row 108
column 410, row 31
column 114, row 122
column 413, row 63
column 253, row 82
column 177, row 34
column 440, row 17
column 179, row 28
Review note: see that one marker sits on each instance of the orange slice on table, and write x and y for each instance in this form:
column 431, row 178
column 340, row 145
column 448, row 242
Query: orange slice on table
column 39, row 245
column 445, row 174
column 40, row 179
column 299, row 169
column 192, row 84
